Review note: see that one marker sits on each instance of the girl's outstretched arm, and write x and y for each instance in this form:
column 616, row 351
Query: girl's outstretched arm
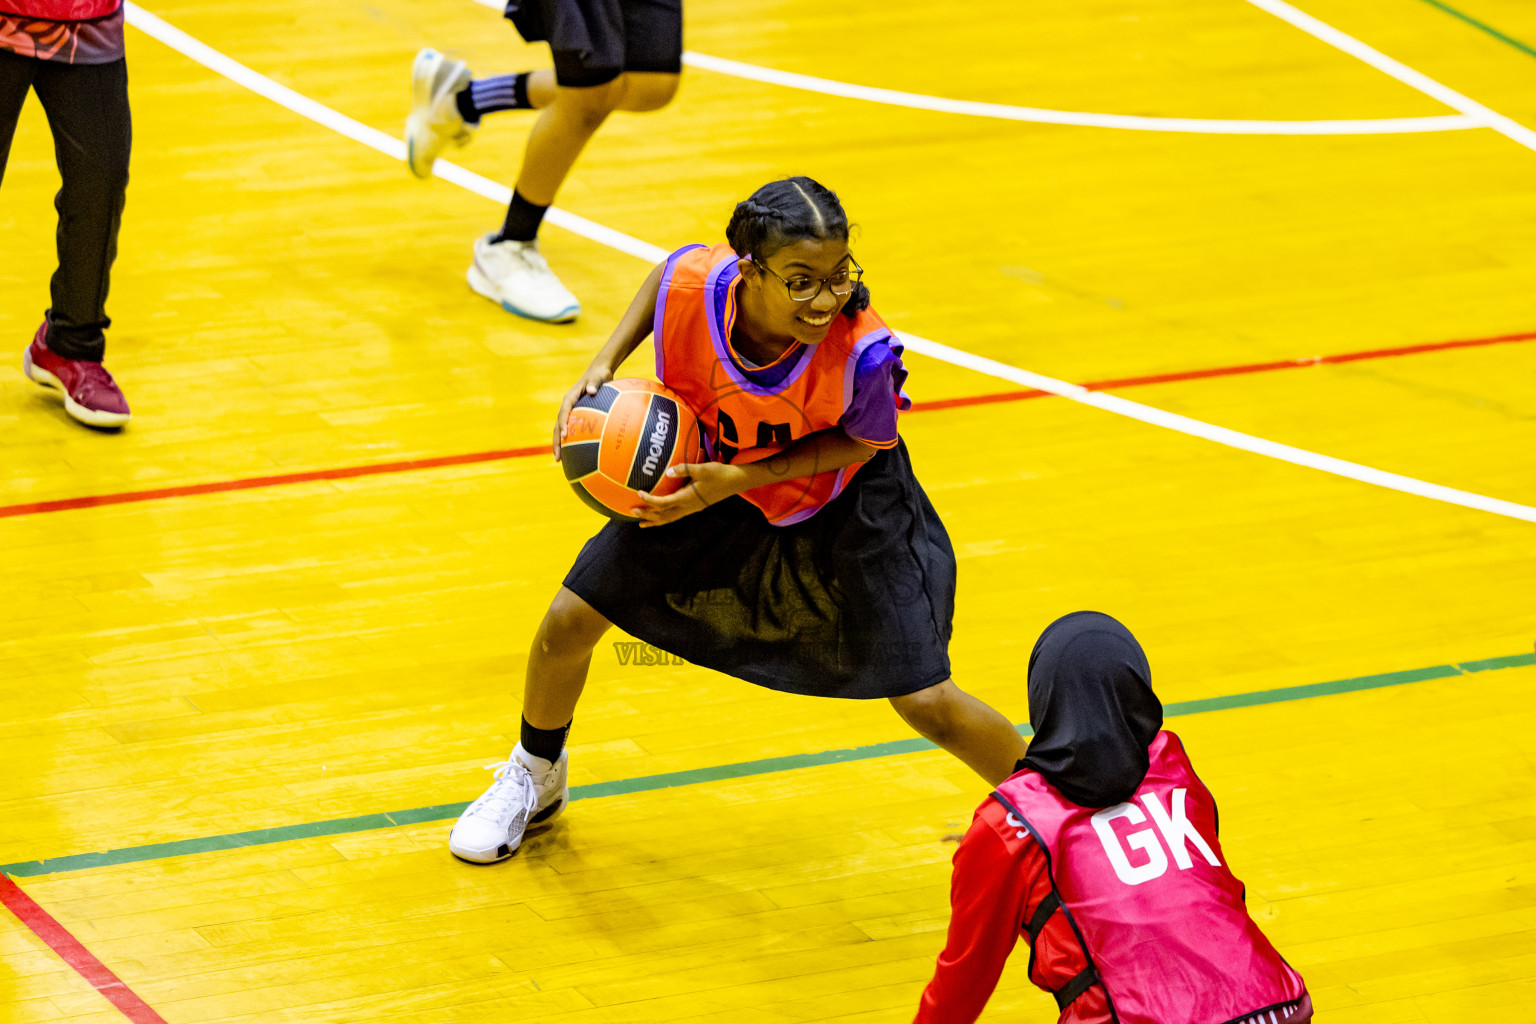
column 633, row 328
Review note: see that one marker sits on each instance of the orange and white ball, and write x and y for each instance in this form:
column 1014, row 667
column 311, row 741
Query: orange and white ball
column 621, row 441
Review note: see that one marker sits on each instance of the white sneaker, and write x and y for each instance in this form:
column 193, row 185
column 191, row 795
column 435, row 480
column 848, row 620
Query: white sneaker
column 515, row 275
column 435, row 121
column 491, row 828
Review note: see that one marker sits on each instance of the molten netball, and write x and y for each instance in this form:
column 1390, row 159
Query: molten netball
column 621, row 440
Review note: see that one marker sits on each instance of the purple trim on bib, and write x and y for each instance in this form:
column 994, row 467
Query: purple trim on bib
column 851, row 370
column 661, row 308
column 899, row 374
column 872, row 395
column 717, row 288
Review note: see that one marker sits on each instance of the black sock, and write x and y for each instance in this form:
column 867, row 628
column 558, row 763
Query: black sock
column 488, row 95
column 545, row 743
column 467, row 109
column 523, row 220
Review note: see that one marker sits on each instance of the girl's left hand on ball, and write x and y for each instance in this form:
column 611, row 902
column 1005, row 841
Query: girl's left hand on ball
column 708, row 483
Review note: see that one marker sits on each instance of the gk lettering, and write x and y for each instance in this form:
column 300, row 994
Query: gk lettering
column 1176, row 830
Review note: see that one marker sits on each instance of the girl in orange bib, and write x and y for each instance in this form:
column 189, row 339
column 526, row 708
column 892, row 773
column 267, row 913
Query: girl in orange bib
column 804, row 556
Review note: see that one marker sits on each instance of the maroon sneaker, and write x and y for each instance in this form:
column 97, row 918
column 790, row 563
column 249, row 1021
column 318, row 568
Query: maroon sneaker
column 90, row 394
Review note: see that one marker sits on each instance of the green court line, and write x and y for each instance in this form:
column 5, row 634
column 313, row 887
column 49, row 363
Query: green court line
column 716, row 773
column 1482, row 26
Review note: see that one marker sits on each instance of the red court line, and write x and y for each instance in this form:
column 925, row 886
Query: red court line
column 253, row 482
column 75, row 955
column 1017, row 395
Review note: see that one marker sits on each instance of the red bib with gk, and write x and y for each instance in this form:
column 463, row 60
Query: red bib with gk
column 1149, row 895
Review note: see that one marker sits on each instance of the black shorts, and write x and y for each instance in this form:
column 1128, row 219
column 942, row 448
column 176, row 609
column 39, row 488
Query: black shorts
column 857, row 601
column 595, row 41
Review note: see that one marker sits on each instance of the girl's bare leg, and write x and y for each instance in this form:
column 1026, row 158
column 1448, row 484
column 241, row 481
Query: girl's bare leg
column 559, row 659
column 974, row 732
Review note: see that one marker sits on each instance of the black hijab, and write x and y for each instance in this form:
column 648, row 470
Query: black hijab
column 1092, row 708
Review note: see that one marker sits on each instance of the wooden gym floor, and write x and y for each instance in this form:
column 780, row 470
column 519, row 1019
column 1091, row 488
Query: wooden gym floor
column 246, row 688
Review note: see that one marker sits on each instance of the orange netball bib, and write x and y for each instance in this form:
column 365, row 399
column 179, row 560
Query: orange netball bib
column 743, row 421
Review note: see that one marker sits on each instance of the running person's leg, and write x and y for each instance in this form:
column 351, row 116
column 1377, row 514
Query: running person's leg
column 16, row 73
column 447, row 104
column 87, row 108
column 530, row 786
column 643, row 39
column 570, row 116
column 630, row 60
column 644, row 91
column 972, row 731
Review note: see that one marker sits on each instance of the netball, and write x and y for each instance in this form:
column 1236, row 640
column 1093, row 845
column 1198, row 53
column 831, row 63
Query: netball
column 621, row 441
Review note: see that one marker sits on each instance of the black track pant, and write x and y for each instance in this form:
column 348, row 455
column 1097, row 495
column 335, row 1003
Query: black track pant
column 87, row 108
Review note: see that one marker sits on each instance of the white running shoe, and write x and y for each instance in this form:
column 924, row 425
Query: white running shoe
column 515, row 275
column 435, row 121
column 491, row 828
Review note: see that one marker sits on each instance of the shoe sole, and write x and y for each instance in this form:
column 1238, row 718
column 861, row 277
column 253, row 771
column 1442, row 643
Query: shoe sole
column 490, row 860
column 423, row 71
column 484, row 286
column 551, row 812
column 90, row 417
column 505, row 850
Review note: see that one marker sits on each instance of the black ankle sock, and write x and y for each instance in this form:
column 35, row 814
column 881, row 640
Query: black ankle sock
column 467, row 109
column 488, row 95
column 545, row 743
column 523, row 220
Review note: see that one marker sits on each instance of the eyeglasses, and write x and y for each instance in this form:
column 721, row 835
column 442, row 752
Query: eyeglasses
column 804, row 289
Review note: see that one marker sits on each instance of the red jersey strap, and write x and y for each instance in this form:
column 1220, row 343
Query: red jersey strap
column 1068, row 993
column 1042, row 914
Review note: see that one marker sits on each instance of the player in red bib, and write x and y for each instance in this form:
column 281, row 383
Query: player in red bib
column 1101, row 852
column 805, row 556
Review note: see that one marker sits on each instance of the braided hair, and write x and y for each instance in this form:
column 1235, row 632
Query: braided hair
column 787, row 211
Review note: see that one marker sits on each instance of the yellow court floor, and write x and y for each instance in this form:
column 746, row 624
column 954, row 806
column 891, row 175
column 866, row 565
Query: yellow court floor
column 248, row 689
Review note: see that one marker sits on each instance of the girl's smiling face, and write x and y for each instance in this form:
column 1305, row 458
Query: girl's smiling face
column 773, row 318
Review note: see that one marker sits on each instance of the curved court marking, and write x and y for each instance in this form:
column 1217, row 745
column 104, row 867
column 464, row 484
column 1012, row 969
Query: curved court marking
column 1038, row 115
column 1505, row 126
column 339, row 122
column 1127, row 122
column 722, row 772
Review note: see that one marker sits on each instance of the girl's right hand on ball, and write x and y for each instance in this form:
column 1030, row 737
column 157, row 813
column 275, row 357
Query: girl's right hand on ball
column 594, row 378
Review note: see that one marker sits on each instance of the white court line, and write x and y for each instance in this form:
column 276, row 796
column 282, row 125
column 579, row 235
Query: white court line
column 321, row 114
column 1086, row 119
column 1400, row 71
column 1221, row 435
column 1129, row 122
